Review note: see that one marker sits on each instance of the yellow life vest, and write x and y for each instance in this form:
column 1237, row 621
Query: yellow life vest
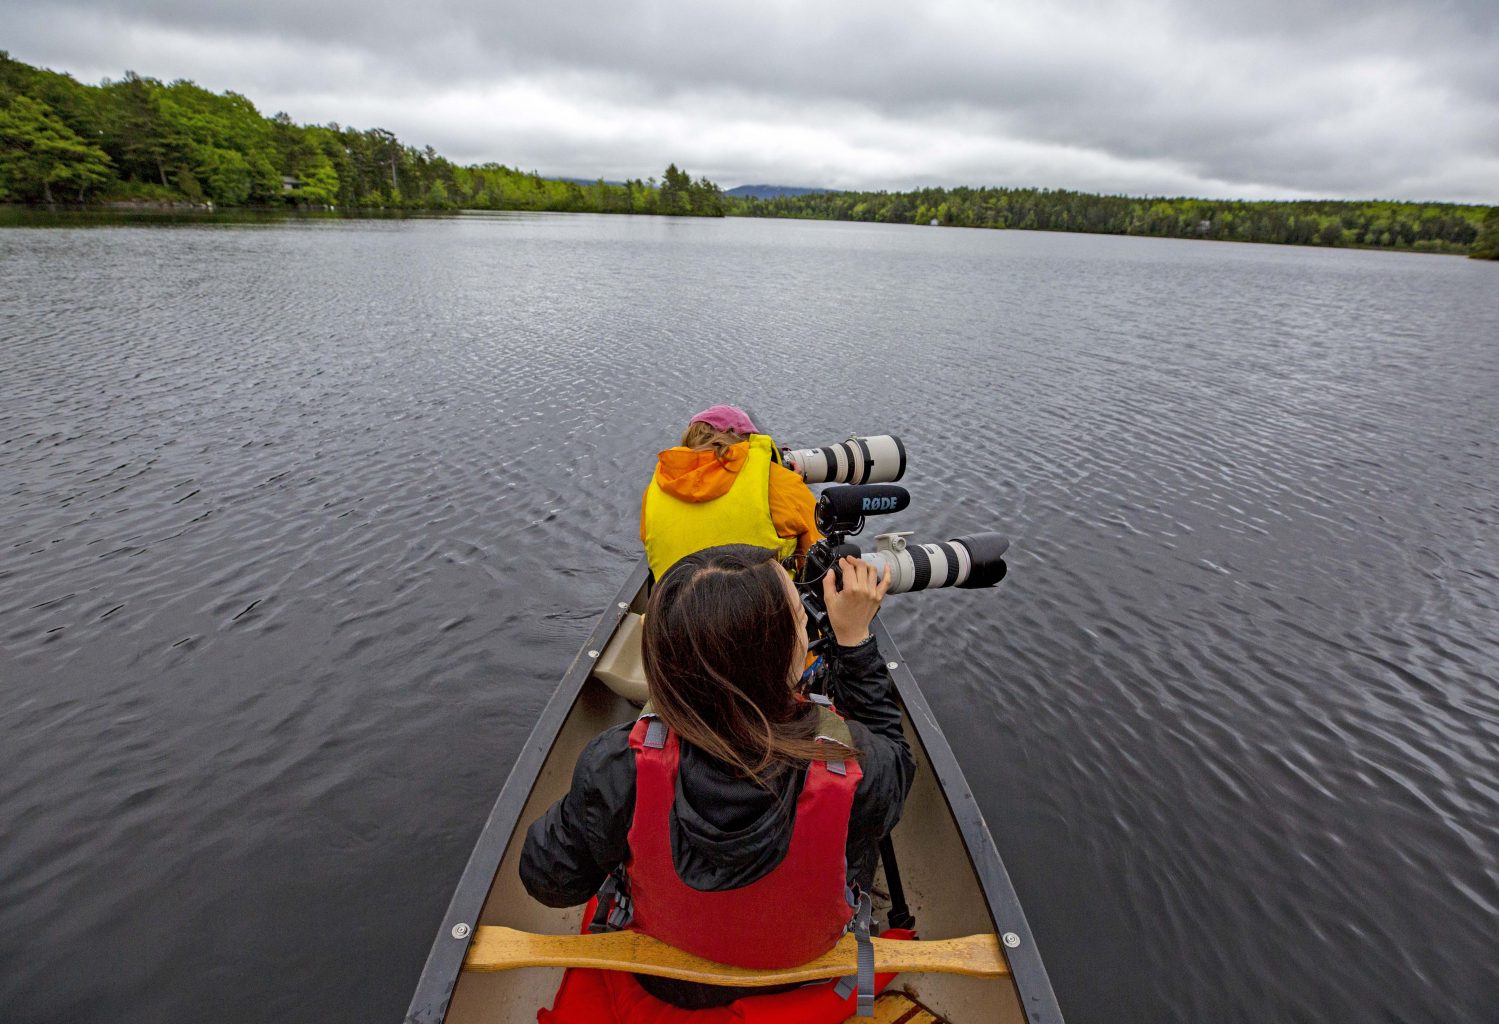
column 675, row 528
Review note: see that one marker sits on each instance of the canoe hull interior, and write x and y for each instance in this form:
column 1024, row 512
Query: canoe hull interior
column 947, row 886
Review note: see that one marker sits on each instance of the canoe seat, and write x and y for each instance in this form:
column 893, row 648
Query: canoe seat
column 621, row 666
column 496, row 948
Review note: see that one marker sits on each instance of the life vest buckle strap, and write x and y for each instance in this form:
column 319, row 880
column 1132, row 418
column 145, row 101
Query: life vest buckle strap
column 861, row 983
column 866, row 978
column 655, row 734
column 614, row 910
column 622, row 914
column 600, row 922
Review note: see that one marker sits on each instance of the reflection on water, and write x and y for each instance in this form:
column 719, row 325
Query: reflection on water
column 302, row 521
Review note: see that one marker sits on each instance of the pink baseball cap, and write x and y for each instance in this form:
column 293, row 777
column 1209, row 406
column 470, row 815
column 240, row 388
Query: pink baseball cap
column 726, row 417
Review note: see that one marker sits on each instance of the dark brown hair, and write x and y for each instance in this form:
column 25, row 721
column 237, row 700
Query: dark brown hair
column 719, row 638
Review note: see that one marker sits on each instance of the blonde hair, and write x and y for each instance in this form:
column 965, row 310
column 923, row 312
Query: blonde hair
column 700, row 437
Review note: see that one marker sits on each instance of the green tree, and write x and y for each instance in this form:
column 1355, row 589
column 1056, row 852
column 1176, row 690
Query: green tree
column 674, row 197
column 38, row 151
column 1486, row 245
column 386, row 148
column 225, row 142
column 438, row 198
column 226, row 175
column 141, row 140
column 320, row 183
column 705, row 198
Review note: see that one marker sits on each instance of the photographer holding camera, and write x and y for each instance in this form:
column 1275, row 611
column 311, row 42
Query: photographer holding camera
column 685, row 817
column 724, row 485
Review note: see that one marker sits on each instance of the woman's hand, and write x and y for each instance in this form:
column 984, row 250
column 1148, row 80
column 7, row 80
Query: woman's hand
column 852, row 609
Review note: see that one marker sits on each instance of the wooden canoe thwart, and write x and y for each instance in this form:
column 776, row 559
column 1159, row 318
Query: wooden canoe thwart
column 497, row 948
column 977, row 962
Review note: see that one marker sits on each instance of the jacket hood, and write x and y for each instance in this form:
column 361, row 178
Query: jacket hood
column 726, row 831
column 699, row 476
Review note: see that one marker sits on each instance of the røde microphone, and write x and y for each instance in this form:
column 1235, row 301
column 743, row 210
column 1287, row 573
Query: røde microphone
column 845, row 506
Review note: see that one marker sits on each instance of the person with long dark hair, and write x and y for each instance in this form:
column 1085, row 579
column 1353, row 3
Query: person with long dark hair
column 736, row 819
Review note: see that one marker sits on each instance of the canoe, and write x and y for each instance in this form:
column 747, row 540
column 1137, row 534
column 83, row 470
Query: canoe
column 951, row 872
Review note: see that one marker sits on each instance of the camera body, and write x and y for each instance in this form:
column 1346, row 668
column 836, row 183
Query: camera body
column 970, row 562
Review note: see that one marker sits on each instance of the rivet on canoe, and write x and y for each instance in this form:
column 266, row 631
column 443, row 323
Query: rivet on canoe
column 593, row 654
column 892, row 665
column 623, row 605
column 1011, row 939
column 460, row 930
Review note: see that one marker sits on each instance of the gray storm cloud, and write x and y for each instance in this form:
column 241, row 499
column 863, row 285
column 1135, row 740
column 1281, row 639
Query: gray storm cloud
column 1279, row 98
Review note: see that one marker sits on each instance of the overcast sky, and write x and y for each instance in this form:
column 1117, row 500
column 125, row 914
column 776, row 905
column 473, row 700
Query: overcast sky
column 1256, row 99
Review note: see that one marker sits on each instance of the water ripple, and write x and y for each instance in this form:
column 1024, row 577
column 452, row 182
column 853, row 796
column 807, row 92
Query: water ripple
column 302, row 521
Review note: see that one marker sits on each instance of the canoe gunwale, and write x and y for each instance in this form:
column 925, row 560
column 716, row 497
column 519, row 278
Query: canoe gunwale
column 1037, row 999
column 429, row 1004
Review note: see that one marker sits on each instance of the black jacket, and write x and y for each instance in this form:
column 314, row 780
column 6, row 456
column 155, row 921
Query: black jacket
column 726, row 832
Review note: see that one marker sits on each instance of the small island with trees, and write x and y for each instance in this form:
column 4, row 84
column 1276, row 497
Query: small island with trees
column 137, row 142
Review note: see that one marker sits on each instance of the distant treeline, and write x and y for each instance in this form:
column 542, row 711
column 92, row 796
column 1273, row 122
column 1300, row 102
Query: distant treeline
column 1426, row 227
column 139, row 140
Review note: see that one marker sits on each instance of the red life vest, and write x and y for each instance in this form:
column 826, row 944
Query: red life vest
column 791, row 915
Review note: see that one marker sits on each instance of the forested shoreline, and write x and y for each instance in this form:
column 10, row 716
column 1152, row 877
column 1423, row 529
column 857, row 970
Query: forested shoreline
column 139, row 141
column 1421, row 227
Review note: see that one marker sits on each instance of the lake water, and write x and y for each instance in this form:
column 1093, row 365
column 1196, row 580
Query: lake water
column 302, row 521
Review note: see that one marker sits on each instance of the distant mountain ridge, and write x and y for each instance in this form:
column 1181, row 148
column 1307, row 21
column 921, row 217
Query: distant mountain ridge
column 773, row 191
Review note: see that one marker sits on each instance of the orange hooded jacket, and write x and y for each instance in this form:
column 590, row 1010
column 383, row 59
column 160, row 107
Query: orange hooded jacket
column 698, row 476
